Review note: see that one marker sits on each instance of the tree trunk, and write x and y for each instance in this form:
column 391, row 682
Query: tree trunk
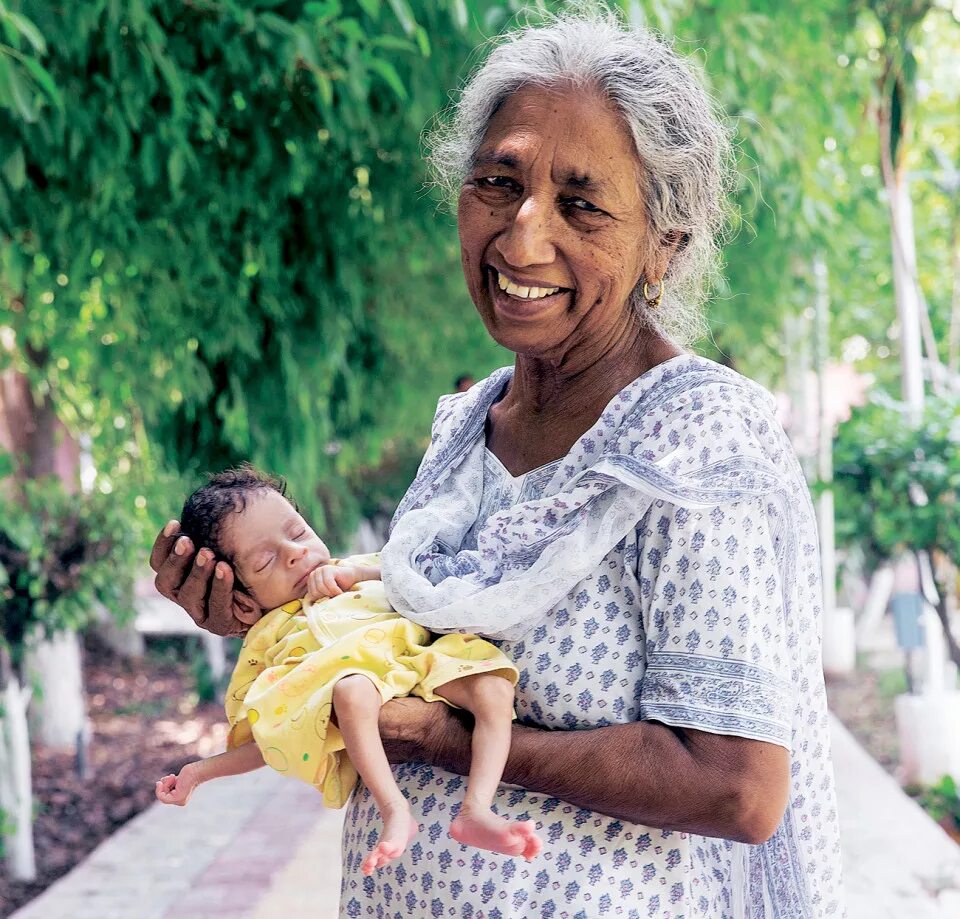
column 953, row 339
column 53, row 667
column 825, row 512
column 945, row 576
column 16, row 796
column 903, row 243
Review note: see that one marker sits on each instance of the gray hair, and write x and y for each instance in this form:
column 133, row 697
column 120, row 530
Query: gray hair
column 678, row 131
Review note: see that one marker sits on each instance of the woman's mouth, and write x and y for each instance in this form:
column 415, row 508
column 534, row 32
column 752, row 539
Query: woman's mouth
column 519, row 300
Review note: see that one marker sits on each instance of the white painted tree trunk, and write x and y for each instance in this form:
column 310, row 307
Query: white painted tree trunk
column 16, row 796
column 839, row 634
column 906, row 288
column 874, row 607
column 52, row 667
column 124, row 640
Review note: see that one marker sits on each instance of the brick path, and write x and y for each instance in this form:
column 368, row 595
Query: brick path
column 256, row 846
column 262, row 847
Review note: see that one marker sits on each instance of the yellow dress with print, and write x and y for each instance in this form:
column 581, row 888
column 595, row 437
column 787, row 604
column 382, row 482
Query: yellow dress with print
column 281, row 691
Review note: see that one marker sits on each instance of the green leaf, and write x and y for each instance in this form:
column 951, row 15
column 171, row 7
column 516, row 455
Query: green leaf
column 28, row 30
column 325, row 86
column 423, row 40
column 13, row 93
column 459, row 10
column 323, row 11
column 404, row 14
column 393, row 43
column 176, row 167
column 390, row 76
column 15, row 169
column 43, row 79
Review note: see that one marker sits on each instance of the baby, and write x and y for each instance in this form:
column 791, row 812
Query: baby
column 313, row 672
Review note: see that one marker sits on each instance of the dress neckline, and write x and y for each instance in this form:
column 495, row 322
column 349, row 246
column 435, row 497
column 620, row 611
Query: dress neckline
column 523, row 475
column 648, row 378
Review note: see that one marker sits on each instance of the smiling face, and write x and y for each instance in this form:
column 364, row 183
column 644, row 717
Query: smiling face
column 553, row 232
column 273, row 548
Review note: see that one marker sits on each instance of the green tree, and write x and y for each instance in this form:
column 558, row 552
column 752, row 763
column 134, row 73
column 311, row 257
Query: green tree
column 898, row 488
column 219, row 249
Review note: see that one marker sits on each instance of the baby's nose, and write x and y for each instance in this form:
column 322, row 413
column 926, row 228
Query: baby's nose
column 295, row 554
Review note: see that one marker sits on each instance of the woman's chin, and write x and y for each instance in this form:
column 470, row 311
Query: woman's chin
column 526, row 325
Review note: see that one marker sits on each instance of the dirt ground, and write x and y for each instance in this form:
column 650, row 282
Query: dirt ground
column 146, row 722
column 864, row 703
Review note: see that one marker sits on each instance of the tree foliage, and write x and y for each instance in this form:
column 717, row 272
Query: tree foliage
column 897, row 486
column 215, row 244
column 61, row 554
column 219, row 247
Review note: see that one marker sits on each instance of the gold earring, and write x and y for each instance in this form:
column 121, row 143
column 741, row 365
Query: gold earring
column 653, row 300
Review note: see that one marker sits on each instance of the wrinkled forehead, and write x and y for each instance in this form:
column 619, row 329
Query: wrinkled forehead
column 573, row 131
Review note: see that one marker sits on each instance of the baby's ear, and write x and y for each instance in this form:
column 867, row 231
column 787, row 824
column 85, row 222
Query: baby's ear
column 245, row 608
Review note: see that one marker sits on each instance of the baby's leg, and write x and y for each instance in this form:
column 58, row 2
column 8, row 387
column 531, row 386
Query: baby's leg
column 489, row 698
column 356, row 702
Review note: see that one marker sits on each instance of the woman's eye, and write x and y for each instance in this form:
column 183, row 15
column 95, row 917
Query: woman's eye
column 501, row 183
column 581, row 204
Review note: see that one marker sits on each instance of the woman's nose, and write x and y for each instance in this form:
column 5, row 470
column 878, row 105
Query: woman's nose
column 527, row 239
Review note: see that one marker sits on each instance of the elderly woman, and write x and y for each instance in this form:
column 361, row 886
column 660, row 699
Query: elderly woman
column 626, row 519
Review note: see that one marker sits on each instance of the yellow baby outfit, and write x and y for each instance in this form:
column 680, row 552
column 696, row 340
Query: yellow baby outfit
column 281, row 691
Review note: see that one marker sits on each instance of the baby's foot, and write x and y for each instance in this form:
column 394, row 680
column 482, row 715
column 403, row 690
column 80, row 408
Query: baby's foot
column 484, row 829
column 398, row 829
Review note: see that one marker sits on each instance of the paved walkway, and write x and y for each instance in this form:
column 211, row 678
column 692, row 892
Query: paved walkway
column 261, row 847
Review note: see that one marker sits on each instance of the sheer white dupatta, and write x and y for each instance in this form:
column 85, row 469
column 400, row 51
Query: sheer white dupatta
column 680, row 433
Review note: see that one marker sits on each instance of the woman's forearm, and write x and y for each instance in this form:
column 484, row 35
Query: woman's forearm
column 644, row 772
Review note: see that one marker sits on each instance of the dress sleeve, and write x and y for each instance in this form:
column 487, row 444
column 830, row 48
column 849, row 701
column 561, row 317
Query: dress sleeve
column 713, row 600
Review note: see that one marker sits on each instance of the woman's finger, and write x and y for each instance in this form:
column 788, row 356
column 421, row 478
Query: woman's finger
column 193, row 592
column 174, row 568
column 163, row 544
column 224, row 614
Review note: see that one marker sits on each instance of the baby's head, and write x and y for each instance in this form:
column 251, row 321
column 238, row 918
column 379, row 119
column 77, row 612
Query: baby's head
column 243, row 516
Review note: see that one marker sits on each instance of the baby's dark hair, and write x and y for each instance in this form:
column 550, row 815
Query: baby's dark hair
column 225, row 493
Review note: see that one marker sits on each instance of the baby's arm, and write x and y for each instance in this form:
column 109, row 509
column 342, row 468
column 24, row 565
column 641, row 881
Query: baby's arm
column 177, row 789
column 332, row 580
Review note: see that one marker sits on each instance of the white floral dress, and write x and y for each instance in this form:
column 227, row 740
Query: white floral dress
column 703, row 617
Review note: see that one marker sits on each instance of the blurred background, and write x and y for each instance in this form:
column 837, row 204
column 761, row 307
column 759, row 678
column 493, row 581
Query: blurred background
column 217, row 244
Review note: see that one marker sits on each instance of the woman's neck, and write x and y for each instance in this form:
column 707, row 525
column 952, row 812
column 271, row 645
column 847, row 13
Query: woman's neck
column 551, row 401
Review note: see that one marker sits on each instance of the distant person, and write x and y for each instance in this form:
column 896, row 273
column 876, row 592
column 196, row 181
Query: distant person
column 314, row 672
column 464, row 382
column 626, row 519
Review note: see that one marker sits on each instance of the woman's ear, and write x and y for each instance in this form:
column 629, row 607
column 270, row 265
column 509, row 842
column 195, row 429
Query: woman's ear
column 245, row 608
column 671, row 245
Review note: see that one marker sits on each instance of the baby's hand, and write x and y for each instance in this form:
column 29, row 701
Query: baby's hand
column 331, row 580
column 176, row 789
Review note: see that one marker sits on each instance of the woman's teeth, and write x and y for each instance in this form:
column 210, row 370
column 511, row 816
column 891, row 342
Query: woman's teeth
column 523, row 293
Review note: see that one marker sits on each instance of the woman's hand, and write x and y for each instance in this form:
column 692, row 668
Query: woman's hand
column 203, row 589
column 416, row 731
column 644, row 771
